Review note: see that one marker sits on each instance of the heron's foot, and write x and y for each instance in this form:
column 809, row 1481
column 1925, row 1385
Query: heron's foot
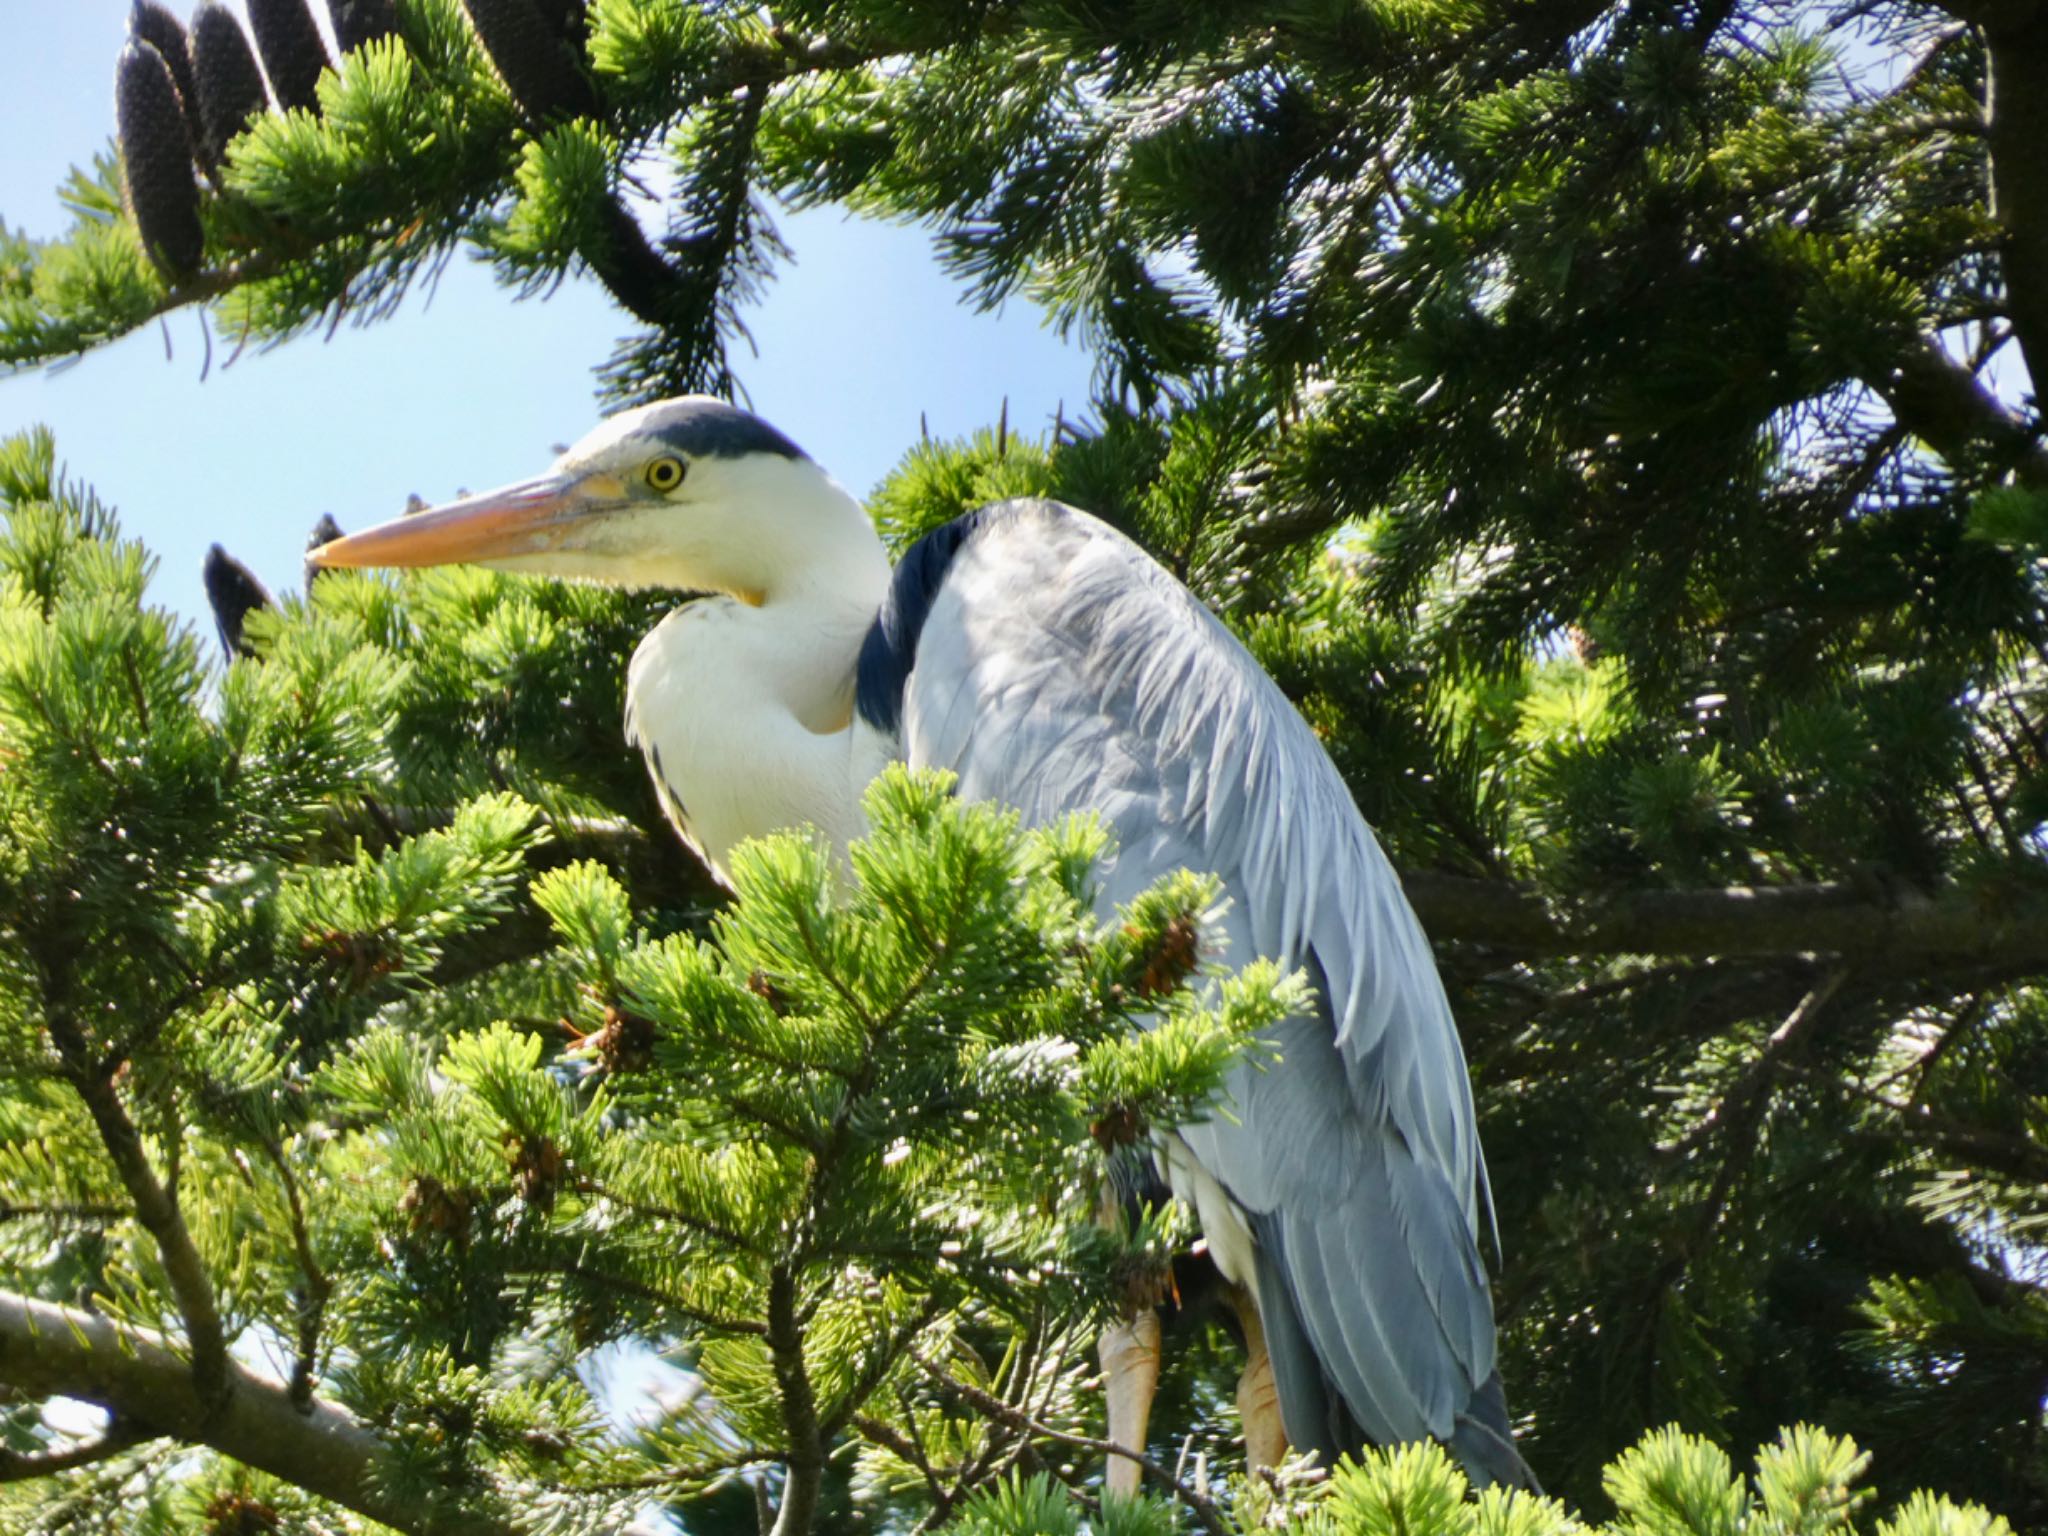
column 1258, row 1395
column 1258, row 1406
column 1130, row 1376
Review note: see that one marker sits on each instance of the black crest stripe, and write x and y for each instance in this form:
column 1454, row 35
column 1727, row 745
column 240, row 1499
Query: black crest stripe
column 711, row 429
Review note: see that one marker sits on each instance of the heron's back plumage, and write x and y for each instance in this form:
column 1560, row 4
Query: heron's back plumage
column 1055, row 667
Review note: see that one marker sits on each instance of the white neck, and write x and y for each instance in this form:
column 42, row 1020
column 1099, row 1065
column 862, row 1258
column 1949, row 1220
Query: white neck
column 823, row 576
column 745, row 705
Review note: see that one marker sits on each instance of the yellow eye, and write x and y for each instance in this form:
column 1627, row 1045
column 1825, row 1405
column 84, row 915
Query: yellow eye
column 665, row 473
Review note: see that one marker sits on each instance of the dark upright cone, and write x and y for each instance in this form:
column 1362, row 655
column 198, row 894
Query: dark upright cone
column 156, row 156
column 326, row 531
column 537, row 66
column 234, row 593
column 570, row 20
column 154, row 24
column 224, row 69
column 357, row 22
column 292, row 52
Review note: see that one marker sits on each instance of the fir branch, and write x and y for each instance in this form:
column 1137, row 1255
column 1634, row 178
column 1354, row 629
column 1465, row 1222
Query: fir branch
column 199, row 288
column 141, row 1375
column 156, row 1207
column 1743, row 1104
column 696, row 1474
column 62, row 1211
column 1975, row 1010
column 136, row 695
column 648, row 285
column 871, row 1375
column 911, row 1453
column 2016, row 1156
column 805, row 1466
column 82, row 743
column 122, row 1435
column 717, row 1232
column 312, row 1308
column 1945, row 929
column 639, row 1290
column 1199, row 1504
column 1943, row 403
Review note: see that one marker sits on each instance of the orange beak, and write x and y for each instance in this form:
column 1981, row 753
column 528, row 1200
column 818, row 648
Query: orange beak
column 534, row 517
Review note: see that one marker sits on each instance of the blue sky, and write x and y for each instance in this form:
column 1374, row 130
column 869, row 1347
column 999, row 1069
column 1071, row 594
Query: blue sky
column 860, row 334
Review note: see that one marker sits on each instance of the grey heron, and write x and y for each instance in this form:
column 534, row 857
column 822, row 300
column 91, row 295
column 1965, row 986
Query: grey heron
column 1053, row 666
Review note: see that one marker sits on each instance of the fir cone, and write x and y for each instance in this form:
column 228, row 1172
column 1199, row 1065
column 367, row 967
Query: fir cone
column 1174, row 959
column 224, row 70
column 537, row 67
column 233, row 592
column 155, row 24
column 292, row 52
column 357, row 22
column 568, row 19
column 326, row 531
column 163, row 197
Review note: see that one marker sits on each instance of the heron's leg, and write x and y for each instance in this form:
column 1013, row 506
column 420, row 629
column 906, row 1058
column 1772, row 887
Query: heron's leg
column 1258, row 1398
column 1130, row 1376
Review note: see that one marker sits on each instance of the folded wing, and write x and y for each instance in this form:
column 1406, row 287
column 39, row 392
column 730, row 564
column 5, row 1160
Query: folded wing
column 1055, row 667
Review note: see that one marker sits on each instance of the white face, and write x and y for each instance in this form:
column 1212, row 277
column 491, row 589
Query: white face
column 689, row 493
column 661, row 515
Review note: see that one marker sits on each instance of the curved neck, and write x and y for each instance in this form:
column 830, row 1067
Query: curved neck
column 818, row 596
column 796, row 536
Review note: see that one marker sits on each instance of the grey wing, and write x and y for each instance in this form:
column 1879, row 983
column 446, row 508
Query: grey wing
column 1054, row 666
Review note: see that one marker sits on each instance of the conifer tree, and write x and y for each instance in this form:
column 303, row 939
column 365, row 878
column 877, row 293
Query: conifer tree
column 1609, row 422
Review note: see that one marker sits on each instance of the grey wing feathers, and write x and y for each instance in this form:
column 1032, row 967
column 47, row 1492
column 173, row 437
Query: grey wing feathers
column 1060, row 668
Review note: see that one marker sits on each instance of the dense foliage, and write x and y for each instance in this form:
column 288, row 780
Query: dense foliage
column 1609, row 422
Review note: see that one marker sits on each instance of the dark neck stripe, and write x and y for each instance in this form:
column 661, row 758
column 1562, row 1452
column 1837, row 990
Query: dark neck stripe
column 890, row 649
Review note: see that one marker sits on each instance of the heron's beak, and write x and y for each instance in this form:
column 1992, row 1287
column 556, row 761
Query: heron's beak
column 534, row 517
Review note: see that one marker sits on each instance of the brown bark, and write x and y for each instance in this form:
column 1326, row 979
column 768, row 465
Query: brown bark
column 1946, row 406
column 2016, row 120
column 1951, row 929
column 138, row 1376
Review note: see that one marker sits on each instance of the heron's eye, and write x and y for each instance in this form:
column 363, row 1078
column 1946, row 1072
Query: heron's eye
column 665, row 473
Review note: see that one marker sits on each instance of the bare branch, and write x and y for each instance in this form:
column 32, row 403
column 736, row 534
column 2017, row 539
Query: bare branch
column 141, row 1376
column 1943, row 403
column 20, row 1466
column 1890, row 932
column 1993, row 15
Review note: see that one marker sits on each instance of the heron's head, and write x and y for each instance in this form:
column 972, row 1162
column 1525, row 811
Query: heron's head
column 688, row 493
